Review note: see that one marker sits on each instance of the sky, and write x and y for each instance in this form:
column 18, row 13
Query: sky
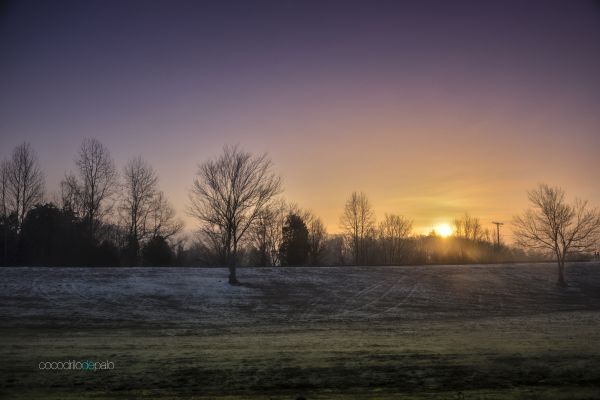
column 432, row 108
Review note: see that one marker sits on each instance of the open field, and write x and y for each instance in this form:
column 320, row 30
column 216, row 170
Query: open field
column 440, row 332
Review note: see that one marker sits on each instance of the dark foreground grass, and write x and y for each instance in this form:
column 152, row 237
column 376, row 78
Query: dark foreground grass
column 438, row 332
column 546, row 356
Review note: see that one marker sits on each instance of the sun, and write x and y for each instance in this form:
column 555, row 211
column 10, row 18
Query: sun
column 444, row 230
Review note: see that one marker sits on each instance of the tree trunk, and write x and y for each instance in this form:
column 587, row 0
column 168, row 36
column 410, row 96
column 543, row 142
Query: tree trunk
column 561, row 273
column 231, row 261
column 232, row 275
column 5, row 263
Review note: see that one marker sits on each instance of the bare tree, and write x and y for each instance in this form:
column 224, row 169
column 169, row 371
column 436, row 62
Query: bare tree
column 139, row 190
column 468, row 227
column 95, row 184
column 458, row 230
column 25, row 182
column 317, row 234
column 4, row 167
column 555, row 226
column 228, row 196
column 393, row 232
column 267, row 233
column 358, row 221
column 161, row 220
column 71, row 197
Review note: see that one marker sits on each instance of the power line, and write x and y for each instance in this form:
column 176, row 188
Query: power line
column 498, row 224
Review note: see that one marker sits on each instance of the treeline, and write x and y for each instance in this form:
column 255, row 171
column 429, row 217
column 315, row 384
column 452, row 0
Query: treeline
column 103, row 216
column 99, row 217
column 243, row 221
column 286, row 235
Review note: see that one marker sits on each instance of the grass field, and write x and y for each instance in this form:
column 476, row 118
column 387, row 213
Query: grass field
column 439, row 332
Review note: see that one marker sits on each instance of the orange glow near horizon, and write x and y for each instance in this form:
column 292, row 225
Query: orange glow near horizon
column 431, row 115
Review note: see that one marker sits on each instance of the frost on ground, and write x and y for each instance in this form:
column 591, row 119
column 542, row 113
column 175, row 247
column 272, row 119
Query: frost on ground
column 426, row 332
column 201, row 297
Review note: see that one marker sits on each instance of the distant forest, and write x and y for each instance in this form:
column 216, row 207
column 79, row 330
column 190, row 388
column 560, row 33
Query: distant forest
column 105, row 216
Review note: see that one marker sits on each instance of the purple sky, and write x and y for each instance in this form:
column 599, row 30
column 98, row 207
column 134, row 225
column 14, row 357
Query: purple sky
column 431, row 108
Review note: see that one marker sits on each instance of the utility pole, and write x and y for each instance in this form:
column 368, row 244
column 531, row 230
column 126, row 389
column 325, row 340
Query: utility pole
column 498, row 224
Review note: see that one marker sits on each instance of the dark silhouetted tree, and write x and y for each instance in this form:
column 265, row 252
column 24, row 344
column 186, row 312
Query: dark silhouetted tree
column 161, row 220
column 8, row 228
column 358, row 223
column 145, row 211
column 266, row 234
column 8, row 236
column 227, row 197
column 89, row 191
column 393, row 233
column 4, row 170
column 130, row 253
column 157, row 253
column 294, row 246
column 317, row 236
column 555, row 226
column 139, row 190
column 51, row 236
column 24, row 186
column 335, row 250
column 105, row 255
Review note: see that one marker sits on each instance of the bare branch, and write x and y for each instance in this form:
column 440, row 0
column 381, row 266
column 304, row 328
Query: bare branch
column 24, row 185
column 557, row 227
column 228, row 196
